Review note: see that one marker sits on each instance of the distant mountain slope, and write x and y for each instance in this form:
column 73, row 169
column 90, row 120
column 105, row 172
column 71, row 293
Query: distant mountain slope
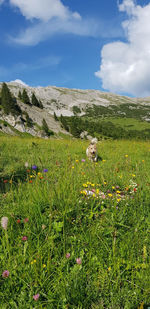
column 90, row 104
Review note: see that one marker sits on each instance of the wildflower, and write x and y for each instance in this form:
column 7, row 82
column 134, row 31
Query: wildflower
column 83, row 160
column 36, row 297
column 24, row 238
column 10, row 181
column 113, row 187
column 5, row 181
column 133, row 175
column 103, row 160
column 4, row 222
column 30, row 181
column 85, row 185
column 126, row 156
column 67, row 255
column 110, row 195
column 44, row 265
column 105, row 183
column 118, row 192
column 26, row 220
column 118, row 200
column 73, row 167
column 26, row 164
column 39, row 174
column 135, row 189
column 143, row 161
column 92, row 184
column 5, row 274
column 34, row 261
column 77, row 161
column 34, row 167
column 18, row 221
column 109, row 268
column 45, row 170
column 79, row 261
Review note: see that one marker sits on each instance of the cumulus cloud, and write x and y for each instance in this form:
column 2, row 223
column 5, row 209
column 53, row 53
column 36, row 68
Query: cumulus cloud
column 42, row 9
column 125, row 66
column 49, row 17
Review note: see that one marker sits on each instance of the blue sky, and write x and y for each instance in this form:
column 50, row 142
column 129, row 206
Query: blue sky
column 85, row 44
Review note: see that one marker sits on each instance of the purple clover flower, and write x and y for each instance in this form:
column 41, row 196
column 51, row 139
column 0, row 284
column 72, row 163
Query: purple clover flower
column 83, row 160
column 34, row 167
column 45, row 170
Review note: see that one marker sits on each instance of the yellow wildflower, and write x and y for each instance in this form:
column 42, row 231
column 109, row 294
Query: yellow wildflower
column 34, row 261
column 77, row 161
column 126, row 156
column 44, row 265
column 110, row 195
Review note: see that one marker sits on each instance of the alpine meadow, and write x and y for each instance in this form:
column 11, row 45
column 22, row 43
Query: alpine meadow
column 74, row 154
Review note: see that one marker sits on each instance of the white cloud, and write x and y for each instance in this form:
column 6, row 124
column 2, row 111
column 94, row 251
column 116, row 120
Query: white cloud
column 125, row 66
column 41, row 9
column 44, row 30
column 49, row 17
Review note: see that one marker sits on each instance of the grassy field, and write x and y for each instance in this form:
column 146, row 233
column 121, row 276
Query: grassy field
column 78, row 233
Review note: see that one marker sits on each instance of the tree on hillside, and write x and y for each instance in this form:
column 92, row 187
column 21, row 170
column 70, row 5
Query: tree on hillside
column 20, row 95
column 25, row 97
column 34, row 100
column 46, row 128
column 9, row 103
column 55, row 117
column 64, row 123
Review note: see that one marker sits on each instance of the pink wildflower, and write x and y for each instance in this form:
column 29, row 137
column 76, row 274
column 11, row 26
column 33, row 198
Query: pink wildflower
column 5, row 274
column 67, row 255
column 79, row 261
column 26, row 220
column 36, row 297
column 4, row 222
column 24, row 238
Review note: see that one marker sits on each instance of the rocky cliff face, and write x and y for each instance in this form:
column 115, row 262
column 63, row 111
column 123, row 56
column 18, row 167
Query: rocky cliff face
column 69, row 102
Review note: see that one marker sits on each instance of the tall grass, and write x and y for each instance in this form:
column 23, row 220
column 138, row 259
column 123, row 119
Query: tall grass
column 78, row 234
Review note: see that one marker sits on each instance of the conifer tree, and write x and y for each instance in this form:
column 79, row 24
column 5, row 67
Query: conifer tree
column 8, row 102
column 46, row 128
column 6, row 99
column 55, row 117
column 20, row 95
column 25, row 97
column 34, row 100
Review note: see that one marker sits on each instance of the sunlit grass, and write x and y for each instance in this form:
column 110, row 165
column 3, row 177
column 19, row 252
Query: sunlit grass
column 78, row 232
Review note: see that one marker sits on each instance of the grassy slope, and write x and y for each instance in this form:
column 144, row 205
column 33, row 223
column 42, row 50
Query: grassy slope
column 110, row 235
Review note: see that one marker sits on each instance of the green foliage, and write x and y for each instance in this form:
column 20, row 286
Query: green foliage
column 19, row 95
column 105, row 128
column 110, row 234
column 8, row 102
column 35, row 101
column 29, row 121
column 25, row 97
column 46, row 128
column 55, row 117
column 64, row 123
column 76, row 110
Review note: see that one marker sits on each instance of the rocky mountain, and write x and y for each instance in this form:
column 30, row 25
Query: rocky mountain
column 70, row 102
